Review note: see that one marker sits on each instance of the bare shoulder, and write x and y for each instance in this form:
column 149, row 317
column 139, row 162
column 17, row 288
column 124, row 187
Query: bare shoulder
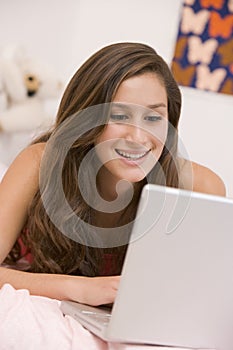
column 26, row 165
column 201, row 179
column 33, row 152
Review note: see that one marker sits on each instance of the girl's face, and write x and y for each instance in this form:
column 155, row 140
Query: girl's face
column 134, row 137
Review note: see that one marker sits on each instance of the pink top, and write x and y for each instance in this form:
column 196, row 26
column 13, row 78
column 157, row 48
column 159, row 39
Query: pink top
column 25, row 251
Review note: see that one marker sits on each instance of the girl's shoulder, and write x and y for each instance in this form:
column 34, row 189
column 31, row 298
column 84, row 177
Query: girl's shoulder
column 25, row 168
column 35, row 150
column 199, row 178
column 31, row 155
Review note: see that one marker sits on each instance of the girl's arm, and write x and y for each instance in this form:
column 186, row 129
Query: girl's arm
column 17, row 189
column 88, row 290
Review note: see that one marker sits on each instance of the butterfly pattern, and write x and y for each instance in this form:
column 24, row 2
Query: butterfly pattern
column 199, row 51
column 203, row 55
column 207, row 80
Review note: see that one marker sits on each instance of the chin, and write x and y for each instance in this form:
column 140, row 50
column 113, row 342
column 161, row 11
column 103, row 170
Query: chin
column 135, row 178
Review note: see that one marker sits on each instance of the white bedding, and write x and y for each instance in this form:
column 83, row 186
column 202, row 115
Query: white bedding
column 34, row 323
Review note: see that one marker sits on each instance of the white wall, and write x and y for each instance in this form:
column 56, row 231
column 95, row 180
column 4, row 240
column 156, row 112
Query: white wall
column 66, row 32
column 46, row 27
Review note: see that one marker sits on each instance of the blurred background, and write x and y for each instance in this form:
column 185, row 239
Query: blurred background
column 65, row 33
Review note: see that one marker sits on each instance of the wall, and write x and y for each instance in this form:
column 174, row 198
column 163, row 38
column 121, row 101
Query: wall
column 66, row 32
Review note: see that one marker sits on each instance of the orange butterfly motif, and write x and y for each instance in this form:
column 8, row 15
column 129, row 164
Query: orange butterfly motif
column 218, row 4
column 183, row 76
column 180, row 47
column 219, row 26
column 225, row 52
column 227, row 87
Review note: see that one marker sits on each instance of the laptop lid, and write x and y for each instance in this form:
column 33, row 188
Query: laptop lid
column 177, row 282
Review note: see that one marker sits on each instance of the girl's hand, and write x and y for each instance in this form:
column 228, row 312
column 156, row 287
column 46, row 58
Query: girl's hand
column 93, row 290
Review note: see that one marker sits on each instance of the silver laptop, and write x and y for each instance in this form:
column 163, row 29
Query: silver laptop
column 176, row 287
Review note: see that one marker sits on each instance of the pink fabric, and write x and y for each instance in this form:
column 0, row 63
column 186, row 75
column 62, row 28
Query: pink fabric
column 24, row 250
column 34, row 322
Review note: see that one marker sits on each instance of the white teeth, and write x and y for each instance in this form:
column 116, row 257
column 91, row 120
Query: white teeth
column 132, row 156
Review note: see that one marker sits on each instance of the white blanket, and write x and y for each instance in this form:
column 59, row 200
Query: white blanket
column 34, row 323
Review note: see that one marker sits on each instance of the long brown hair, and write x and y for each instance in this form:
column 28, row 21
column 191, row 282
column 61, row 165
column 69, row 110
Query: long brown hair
column 96, row 82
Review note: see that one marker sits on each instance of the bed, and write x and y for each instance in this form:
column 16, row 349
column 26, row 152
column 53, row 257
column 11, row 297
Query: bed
column 33, row 323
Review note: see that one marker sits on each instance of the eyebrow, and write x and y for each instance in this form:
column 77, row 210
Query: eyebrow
column 157, row 105
column 127, row 106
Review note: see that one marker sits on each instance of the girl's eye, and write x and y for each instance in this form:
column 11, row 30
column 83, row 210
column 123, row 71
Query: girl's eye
column 153, row 118
column 118, row 117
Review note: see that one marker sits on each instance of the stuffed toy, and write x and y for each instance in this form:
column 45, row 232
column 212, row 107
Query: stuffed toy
column 25, row 85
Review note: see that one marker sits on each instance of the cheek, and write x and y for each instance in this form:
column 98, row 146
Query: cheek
column 102, row 150
column 159, row 135
column 104, row 147
column 111, row 132
column 159, row 141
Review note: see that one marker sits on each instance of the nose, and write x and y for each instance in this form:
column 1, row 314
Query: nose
column 135, row 133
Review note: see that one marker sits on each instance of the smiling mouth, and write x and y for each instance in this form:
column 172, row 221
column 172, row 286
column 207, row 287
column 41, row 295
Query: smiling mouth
column 131, row 156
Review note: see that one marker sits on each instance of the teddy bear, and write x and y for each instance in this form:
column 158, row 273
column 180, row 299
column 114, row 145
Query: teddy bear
column 25, row 85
